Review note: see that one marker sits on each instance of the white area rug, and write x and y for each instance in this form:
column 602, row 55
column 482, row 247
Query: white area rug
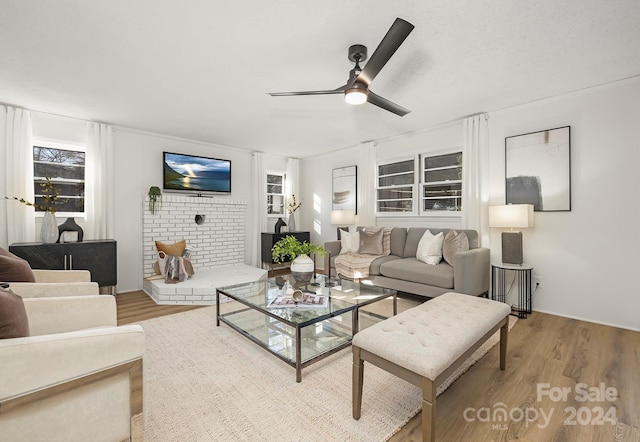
column 208, row 383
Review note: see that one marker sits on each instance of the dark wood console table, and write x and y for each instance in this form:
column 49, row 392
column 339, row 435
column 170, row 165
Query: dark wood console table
column 97, row 256
column 269, row 239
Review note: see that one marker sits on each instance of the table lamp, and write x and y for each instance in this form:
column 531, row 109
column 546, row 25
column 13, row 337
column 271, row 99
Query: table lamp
column 512, row 216
column 343, row 218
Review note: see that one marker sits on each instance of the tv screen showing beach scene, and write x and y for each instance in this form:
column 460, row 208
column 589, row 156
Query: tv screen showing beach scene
column 190, row 173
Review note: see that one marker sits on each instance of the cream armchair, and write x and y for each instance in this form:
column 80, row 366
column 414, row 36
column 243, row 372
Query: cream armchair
column 57, row 283
column 73, row 378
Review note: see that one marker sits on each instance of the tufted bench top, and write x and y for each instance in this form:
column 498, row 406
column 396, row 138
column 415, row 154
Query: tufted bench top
column 428, row 338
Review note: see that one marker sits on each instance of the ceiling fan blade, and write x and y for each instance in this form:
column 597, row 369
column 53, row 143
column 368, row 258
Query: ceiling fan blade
column 386, row 104
column 396, row 35
column 339, row 90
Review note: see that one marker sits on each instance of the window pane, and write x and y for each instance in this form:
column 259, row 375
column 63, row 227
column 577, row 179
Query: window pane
column 58, row 171
column 447, row 204
column 431, row 176
column 274, row 188
column 397, row 193
column 442, row 190
column 395, row 180
column 393, row 168
column 66, row 204
column 274, row 179
column 452, row 159
column 395, row 206
column 60, row 156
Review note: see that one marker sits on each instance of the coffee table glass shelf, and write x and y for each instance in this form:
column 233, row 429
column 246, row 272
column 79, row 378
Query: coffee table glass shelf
column 301, row 335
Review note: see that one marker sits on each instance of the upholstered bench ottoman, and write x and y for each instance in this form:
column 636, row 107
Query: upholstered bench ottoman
column 425, row 344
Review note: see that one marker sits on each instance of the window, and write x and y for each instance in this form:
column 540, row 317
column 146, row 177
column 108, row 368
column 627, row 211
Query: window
column 65, row 167
column 275, row 194
column 442, row 183
column 437, row 189
column 395, row 187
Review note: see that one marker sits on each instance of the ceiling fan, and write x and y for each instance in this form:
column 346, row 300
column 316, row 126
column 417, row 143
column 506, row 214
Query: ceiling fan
column 357, row 91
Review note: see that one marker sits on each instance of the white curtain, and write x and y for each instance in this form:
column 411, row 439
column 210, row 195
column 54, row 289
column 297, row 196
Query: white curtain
column 99, row 182
column 258, row 208
column 293, row 186
column 367, row 185
column 475, row 194
column 18, row 176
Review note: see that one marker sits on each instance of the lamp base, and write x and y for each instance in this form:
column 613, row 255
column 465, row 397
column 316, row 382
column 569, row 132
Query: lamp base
column 512, row 248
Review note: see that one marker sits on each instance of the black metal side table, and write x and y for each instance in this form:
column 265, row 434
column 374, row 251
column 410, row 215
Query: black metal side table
column 522, row 278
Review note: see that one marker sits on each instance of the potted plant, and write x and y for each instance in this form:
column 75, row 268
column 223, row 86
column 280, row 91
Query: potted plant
column 49, row 231
column 289, row 248
column 291, row 208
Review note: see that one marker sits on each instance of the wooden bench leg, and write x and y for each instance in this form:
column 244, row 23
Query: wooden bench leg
column 504, row 338
column 428, row 410
column 358, row 376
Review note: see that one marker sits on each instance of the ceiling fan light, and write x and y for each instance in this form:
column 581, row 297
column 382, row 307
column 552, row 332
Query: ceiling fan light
column 357, row 94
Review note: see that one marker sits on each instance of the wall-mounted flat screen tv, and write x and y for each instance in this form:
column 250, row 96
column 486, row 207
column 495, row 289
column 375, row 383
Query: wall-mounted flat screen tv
column 195, row 174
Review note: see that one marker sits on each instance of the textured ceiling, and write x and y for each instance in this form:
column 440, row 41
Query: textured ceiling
column 202, row 69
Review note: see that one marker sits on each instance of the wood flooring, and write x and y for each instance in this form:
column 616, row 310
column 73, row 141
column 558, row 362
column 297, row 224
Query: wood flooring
column 546, row 355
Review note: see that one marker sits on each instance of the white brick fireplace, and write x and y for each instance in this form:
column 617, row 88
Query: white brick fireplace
column 218, row 241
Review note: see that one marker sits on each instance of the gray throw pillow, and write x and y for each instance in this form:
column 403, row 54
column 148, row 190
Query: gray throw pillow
column 14, row 268
column 13, row 316
column 454, row 243
column 371, row 241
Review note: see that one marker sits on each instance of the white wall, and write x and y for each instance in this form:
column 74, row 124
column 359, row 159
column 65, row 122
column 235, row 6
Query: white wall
column 587, row 258
column 138, row 166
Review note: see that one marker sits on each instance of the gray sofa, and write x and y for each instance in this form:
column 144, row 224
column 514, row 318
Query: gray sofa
column 401, row 270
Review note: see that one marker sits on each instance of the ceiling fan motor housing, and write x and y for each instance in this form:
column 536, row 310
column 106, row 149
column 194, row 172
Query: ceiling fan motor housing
column 357, row 53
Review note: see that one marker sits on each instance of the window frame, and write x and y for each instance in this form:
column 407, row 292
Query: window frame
column 419, row 185
column 414, row 186
column 423, row 184
column 50, row 144
column 283, row 194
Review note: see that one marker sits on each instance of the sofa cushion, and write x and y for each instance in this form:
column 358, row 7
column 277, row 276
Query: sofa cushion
column 414, row 235
column 430, row 248
column 14, row 269
column 349, row 242
column 13, row 316
column 374, row 267
column 454, row 242
column 371, row 241
column 410, row 269
column 398, row 240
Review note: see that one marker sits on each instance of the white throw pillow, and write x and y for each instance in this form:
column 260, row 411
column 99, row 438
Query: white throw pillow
column 349, row 242
column 430, row 248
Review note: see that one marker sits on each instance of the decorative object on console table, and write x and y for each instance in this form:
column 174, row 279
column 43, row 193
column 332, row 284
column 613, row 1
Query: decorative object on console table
column 49, row 197
column 49, row 230
column 70, row 225
column 97, row 256
column 290, row 247
column 268, row 239
column 343, row 219
column 511, row 216
column 292, row 207
column 279, row 224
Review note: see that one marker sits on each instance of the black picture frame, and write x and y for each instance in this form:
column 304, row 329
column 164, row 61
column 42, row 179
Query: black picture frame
column 538, row 169
column 344, row 189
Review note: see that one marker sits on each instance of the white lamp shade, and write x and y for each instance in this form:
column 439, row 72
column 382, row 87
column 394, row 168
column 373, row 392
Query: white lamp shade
column 343, row 217
column 511, row 215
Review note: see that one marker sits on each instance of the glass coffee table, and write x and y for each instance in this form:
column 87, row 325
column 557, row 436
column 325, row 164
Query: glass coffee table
column 302, row 333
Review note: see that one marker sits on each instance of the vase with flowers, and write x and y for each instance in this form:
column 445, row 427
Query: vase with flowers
column 50, row 202
column 291, row 208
